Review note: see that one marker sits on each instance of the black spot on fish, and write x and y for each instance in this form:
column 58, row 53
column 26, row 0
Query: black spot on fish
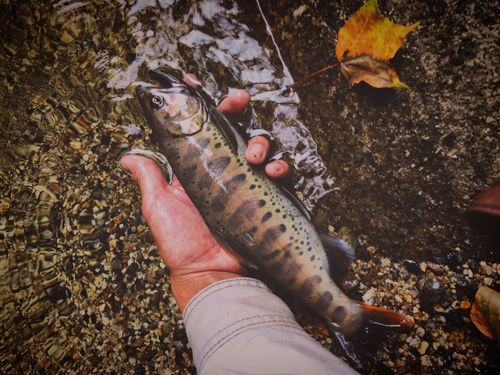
column 308, row 286
column 266, row 217
column 268, row 257
column 217, row 166
column 287, row 254
column 313, row 257
column 217, row 145
column 339, row 314
column 252, row 187
column 284, row 216
column 245, row 211
column 272, row 234
column 283, row 228
column 262, row 203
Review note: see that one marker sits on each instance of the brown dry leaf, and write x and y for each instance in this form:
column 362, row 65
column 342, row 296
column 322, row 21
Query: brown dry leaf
column 485, row 312
column 365, row 45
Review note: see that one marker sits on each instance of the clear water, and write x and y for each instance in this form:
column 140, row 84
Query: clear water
column 71, row 227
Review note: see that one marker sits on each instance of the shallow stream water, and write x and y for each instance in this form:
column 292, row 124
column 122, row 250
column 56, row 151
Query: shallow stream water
column 82, row 286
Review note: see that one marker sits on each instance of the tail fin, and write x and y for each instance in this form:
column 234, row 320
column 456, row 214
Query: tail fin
column 385, row 319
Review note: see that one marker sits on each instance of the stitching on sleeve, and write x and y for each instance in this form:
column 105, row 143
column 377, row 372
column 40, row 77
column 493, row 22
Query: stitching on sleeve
column 276, row 319
column 208, row 291
column 220, row 343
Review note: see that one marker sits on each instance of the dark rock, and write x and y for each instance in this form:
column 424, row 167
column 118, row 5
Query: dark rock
column 132, row 269
column 432, row 290
column 412, row 266
column 350, row 284
column 116, row 264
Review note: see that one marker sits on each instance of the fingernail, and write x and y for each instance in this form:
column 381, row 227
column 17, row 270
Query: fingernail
column 257, row 151
column 124, row 166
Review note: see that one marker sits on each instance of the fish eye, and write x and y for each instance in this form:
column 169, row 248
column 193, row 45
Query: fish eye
column 157, row 101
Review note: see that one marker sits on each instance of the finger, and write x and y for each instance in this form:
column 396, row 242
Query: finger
column 257, row 150
column 150, row 179
column 192, row 81
column 234, row 105
column 278, row 169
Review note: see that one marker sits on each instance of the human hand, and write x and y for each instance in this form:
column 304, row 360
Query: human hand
column 185, row 243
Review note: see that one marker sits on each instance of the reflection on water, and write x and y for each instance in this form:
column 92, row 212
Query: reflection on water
column 83, row 288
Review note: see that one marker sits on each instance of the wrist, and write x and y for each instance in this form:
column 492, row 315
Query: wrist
column 185, row 287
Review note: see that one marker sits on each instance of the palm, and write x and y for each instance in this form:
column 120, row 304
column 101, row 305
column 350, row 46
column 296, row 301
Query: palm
column 184, row 241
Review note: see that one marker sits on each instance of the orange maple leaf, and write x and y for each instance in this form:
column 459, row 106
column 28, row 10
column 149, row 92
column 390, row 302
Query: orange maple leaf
column 366, row 43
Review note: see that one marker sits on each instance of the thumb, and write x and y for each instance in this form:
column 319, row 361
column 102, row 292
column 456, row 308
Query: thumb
column 146, row 173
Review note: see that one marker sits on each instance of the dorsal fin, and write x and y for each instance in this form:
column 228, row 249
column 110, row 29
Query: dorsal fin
column 226, row 128
column 339, row 254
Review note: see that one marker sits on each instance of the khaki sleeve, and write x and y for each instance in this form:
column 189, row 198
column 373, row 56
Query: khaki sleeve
column 238, row 326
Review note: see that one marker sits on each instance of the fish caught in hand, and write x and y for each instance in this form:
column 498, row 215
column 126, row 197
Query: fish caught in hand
column 248, row 213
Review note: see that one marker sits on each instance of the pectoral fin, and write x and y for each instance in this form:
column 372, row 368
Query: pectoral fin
column 229, row 247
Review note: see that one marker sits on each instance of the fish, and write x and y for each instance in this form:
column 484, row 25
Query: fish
column 250, row 215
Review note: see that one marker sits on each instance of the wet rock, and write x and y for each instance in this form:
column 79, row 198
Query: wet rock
column 132, row 269
column 412, row 266
column 350, row 284
column 116, row 264
column 432, row 290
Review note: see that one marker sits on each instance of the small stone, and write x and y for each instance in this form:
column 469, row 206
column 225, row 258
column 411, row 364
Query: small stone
column 423, row 347
column 465, row 304
column 425, row 360
column 423, row 266
column 408, row 298
column 420, row 331
column 414, row 343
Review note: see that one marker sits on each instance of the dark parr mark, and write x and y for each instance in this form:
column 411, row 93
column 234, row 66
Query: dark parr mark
column 323, row 303
column 190, row 172
column 249, row 235
column 339, row 314
column 272, row 234
column 203, row 142
column 217, row 166
column 273, row 255
column 244, row 212
column 308, row 286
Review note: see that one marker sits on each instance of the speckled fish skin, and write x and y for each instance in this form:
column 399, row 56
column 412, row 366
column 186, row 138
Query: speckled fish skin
column 242, row 203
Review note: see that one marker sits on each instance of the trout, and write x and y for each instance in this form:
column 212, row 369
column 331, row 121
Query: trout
column 248, row 213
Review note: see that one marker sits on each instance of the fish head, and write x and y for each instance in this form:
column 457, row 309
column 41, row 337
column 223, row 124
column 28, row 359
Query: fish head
column 174, row 108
